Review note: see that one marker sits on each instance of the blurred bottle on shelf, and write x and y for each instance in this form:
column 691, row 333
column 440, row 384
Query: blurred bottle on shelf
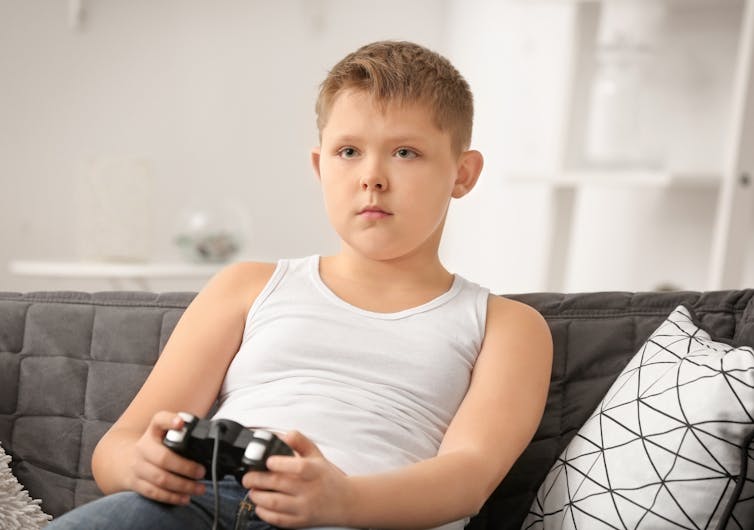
column 622, row 124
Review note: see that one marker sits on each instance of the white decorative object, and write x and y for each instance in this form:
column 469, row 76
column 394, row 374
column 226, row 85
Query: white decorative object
column 18, row 511
column 115, row 210
column 620, row 127
column 212, row 235
column 667, row 447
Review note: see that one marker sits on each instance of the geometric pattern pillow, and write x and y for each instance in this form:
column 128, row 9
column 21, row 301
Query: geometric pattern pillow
column 668, row 445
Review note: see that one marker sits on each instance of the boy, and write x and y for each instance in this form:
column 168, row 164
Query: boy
column 406, row 392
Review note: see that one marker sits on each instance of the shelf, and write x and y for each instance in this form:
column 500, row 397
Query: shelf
column 93, row 269
column 620, row 178
column 118, row 275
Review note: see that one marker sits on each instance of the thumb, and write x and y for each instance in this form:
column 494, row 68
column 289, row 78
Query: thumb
column 163, row 421
column 301, row 444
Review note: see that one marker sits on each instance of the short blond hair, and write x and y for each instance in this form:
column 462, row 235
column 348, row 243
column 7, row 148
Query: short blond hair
column 404, row 72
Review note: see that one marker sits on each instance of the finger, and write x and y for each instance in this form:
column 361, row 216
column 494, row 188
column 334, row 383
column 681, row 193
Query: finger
column 292, row 465
column 274, row 502
column 154, row 492
column 278, row 520
column 301, row 444
column 270, row 481
column 157, row 454
column 165, row 480
column 163, row 421
column 175, row 463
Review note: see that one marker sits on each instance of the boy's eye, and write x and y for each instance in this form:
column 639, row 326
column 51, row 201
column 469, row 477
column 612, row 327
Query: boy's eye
column 405, row 152
column 347, row 152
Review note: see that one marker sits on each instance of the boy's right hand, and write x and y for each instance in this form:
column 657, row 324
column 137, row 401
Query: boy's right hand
column 157, row 472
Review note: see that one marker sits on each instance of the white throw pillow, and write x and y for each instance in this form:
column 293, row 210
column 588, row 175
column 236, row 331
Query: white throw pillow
column 17, row 509
column 667, row 446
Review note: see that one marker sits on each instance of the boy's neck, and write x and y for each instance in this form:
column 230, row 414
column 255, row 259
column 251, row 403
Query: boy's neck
column 416, row 270
column 384, row 285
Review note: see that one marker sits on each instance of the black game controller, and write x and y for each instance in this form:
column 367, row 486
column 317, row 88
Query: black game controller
column 240, row 449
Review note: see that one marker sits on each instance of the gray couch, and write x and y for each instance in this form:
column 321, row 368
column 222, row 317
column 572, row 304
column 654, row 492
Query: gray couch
column 70, row 363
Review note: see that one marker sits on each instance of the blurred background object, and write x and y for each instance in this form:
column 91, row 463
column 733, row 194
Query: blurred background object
column 212, row 235
column 621, row 96
column 114, row 210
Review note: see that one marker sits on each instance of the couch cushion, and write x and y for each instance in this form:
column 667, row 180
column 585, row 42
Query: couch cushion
column 667, row 444
column 595, row 335
column 69, row 365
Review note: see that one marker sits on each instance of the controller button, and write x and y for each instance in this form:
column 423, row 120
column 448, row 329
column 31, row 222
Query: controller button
column 254, row 451
column 175, row 436
column 263, row 435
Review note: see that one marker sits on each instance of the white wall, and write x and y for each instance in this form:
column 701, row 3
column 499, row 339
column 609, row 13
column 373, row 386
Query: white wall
column 218, row 97
column 513, row 55
column 517, row 56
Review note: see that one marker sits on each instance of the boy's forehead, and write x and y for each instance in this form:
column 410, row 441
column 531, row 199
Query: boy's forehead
column 350, row 104
column 366, row 98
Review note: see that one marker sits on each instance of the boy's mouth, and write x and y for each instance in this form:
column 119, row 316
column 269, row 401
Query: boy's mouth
column 373, row 212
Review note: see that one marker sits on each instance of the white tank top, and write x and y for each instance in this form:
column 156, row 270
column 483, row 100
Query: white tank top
column 375, row 391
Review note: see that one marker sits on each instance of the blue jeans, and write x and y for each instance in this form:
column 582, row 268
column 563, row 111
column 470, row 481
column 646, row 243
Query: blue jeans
column 130, row 511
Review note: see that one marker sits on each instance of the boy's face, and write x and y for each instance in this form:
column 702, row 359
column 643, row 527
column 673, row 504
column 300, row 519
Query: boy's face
column 388, row 176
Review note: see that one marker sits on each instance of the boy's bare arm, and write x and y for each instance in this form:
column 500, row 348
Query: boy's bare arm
column 186, row 377
column 493, row 426
column 495, row 422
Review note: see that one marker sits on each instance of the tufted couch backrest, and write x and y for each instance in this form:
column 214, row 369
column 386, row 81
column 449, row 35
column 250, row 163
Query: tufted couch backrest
column 594, row 337
column 71, row 362
column 69, row 365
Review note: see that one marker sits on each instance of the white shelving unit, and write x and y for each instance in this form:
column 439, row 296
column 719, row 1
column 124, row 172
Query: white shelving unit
column 730, row 178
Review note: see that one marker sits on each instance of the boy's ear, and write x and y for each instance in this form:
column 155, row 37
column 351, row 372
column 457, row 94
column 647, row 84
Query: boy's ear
column 469, row 168
column 315, row 161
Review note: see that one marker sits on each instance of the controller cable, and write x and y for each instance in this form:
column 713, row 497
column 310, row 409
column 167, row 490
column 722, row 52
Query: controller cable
column 246, row 507
column 215, row 447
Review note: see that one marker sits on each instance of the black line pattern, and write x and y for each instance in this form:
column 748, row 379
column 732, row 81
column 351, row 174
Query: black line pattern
column 666, row 446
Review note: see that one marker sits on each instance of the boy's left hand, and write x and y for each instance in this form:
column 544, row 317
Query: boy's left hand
column 301, row 491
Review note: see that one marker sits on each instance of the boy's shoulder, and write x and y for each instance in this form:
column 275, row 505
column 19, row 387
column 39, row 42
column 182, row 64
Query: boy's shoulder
column 508, row 315
column 247, row 268
column 246, row 271
column 242, row 281
column 515, row 333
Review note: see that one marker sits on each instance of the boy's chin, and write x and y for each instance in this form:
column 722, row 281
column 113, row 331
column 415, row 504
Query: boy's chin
column 370, row 252
column 387, row 253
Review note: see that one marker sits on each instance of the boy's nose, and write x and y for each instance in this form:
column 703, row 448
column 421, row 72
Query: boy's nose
column 373, row 182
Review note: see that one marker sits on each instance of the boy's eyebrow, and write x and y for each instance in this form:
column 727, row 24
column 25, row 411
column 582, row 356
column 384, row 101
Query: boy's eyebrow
column 346, row 139
column 396, row 139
